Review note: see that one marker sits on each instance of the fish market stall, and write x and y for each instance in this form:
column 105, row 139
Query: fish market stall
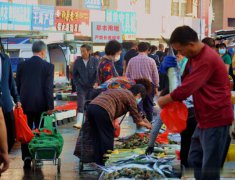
column 65, row 110
column 128, row 160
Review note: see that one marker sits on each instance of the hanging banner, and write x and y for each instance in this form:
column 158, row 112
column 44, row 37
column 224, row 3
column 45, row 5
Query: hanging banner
column 4, row 9
column 127, row 20
column 103, row 32
column 15, row 16
column 93, row 4
column 43, row 17
column 71, row 20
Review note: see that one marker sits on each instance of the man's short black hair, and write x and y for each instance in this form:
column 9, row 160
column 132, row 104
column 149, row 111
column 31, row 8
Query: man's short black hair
column 152, row 49
column 88, row 48
column 38, row 46
column 112, row 47
column 209, row 41
column 143, row 46
column 138, row 88
column 217, row 46
column 183, row 35
column 221, row 45
column 97, row 53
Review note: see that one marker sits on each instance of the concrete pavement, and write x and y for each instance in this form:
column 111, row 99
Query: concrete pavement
column 69, row 168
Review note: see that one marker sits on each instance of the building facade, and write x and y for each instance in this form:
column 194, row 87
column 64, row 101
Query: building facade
column 151, row 20
column 224, row 14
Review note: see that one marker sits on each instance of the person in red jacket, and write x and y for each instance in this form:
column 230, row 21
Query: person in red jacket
column 205, row 77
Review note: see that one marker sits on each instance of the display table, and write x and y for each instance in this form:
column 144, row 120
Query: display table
column 65, row 110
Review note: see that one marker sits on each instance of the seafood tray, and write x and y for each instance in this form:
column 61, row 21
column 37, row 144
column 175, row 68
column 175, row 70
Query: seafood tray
column 133, row 142
column 135, row 173
column 140, row 167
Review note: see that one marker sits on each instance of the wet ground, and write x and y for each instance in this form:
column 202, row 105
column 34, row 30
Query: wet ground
column 70, row 163
column 69, row 168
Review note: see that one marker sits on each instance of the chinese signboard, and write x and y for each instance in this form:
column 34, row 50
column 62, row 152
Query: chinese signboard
column 15, row 16
column 42, row 17
column 93, row 4
column 69, row 19
column 127, row 20
column 106, row 31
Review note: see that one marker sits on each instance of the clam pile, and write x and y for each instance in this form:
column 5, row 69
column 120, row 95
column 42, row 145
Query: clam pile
column 136, row 173
column 135, row 141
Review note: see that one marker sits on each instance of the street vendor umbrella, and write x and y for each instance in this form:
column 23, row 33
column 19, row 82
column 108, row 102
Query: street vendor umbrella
column 174, row 115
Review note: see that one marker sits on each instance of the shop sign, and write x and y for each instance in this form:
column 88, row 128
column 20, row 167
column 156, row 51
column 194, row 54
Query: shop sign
column 15, row 16
column 106, row 31
column 127, row 20
column 71, row 20
column 43, row 17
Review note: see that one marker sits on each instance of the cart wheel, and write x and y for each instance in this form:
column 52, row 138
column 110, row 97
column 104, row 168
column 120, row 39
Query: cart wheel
column 33, row 164
column 81, row 167
column 59, row 165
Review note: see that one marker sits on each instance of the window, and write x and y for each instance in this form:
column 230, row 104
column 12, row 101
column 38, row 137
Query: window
column 106, row 3
column 181, row 7
column 63, row 2
column 175, row 7
column 231, row 22
column 147, row 6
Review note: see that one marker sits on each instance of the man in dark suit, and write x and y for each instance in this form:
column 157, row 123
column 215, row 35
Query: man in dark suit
column 9, row 92
column 35, row 85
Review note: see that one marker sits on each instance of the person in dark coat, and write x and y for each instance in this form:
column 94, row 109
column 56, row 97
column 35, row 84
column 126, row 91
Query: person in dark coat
column 9, row 92
column 84, row 78
column 4, row 159
column 35, row 85
column 130, row 54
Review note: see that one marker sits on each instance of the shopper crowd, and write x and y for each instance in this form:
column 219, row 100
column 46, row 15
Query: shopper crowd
column 205, row 67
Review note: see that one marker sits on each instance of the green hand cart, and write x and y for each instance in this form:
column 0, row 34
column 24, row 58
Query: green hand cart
column 47, row 143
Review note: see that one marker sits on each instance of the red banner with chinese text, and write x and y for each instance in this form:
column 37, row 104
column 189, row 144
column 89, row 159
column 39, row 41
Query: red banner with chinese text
column 70, row 19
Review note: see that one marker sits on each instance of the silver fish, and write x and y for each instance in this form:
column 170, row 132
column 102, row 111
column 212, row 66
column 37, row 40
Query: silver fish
column 174, row 78
column 168, row 167
column 158, row 170
column 172, row 73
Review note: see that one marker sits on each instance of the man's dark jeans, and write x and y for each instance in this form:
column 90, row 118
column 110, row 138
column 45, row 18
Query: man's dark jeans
column 207, row 152
column 147, row 104
column 10, row 126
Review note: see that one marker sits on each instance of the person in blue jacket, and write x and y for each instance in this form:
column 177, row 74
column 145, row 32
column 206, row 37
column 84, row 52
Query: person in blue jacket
column 9, row 92
column 4, row 159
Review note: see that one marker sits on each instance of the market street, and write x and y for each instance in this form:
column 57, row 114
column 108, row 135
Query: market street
column 70, row 163
column 117, row 89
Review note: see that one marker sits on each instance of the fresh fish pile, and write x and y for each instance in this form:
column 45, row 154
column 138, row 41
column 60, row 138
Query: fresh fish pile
column 139, row 167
